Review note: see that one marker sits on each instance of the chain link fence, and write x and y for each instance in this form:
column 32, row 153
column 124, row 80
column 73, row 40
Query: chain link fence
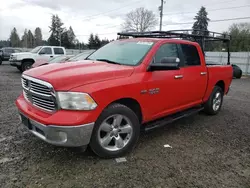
column 241, row 59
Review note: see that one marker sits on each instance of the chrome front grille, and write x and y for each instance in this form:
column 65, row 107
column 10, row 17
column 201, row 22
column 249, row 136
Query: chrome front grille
column 40, row 93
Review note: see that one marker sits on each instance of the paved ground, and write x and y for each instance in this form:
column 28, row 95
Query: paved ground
column 206, row 151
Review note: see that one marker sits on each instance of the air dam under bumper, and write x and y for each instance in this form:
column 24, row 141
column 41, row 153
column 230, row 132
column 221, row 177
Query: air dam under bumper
column 68, row 136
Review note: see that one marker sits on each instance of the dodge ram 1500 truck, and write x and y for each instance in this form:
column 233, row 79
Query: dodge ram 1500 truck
column 128, row 85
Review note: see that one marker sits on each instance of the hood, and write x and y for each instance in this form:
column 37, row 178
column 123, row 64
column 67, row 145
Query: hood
column 66, row 76
column 40, row 62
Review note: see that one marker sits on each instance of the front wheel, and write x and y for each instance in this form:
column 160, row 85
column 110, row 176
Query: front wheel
column 26, row 65
column 19, row 68
column 214, row 103
column 116, row 131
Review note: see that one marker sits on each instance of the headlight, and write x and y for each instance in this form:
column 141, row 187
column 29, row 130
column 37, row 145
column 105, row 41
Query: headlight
column 14, row 57
column 76, row 101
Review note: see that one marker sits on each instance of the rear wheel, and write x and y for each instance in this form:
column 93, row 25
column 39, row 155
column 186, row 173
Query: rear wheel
column 116, row 131
column 26, row 65
column 214, row 103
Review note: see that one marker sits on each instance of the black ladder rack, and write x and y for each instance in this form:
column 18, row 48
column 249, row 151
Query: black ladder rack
column 195, row 35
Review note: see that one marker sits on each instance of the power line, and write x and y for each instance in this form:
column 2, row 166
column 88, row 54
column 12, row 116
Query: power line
column 222, row 20
column 97, row 34
column 187, row 23
column 227, row 8
column 112, row 10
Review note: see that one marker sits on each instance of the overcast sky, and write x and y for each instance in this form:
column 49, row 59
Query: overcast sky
column 105, row 17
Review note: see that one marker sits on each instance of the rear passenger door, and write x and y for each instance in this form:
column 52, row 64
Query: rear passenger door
column 194, row 75
column 58, row 51
column 7, row 53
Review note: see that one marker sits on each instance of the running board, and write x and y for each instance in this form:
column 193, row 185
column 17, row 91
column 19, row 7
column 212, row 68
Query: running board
column 169, row 119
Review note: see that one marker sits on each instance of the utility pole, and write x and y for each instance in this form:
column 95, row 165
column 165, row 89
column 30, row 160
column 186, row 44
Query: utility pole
column 161, row 13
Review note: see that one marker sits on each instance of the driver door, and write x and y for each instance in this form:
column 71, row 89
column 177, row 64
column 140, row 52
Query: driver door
column 46, row 53
column 164, row 86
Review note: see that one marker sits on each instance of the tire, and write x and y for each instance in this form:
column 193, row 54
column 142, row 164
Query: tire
column 1, row 61
column 238, row 75
column 214, row 103
column 19, row 68
column 26, row 65
column 108, row 130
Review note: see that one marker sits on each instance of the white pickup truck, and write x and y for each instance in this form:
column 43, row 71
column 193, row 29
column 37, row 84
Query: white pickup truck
column 23, row 61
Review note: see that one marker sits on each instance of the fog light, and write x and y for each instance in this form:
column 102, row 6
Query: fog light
column 62, row 136
column 58, row 136
column 20, row 118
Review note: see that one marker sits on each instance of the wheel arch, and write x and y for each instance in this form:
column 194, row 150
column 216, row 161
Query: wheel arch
column 28, row 60
column 131, row 103
column 221, row 84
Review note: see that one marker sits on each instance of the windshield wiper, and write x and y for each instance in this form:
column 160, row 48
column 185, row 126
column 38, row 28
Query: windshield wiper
column 108, row 61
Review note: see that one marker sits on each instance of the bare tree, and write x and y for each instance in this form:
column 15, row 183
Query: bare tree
column 140, row 20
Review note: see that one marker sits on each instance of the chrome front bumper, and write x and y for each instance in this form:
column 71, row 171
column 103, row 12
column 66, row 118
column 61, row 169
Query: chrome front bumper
column 15, row 63
column 68, row 136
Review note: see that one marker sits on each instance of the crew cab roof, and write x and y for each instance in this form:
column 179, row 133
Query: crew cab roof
column 158, row 40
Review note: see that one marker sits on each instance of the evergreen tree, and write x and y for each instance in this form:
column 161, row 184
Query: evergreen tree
column 14, row 38
column 65, row 40
column 71, row 37
column 56, row 30
column 104, row 42
column 24, row 41
column 97, row 42
column 91, row 43
column 201, row 22
column 30, row 39
column 38, row 37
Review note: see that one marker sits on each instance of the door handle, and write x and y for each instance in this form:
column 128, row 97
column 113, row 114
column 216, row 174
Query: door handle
column 203, row 73
column 51, row 56
column 178, row 76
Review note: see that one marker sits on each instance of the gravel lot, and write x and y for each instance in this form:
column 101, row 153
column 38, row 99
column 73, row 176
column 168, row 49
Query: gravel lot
column 206, row 151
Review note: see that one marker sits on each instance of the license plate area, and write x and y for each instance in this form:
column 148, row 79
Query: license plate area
column 26, row 121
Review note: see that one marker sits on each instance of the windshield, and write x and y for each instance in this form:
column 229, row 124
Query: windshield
column 81, row 56
column 123, row 52
column 35, row 50
column 58, row 59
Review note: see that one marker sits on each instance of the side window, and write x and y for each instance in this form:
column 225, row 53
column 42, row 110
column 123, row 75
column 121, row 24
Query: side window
column 190, row 55
column 9, row 51
column 58, row 51
column 46, row 50
column 166, row 50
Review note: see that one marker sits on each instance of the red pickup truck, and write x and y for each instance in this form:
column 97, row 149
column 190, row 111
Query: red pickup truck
column 125, row 86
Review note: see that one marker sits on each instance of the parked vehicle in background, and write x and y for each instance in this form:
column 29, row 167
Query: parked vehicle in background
column 6, row 52
column 127, row 85
column 23, row 61
column 237, row 72
column 58, row 59
column 81, row 56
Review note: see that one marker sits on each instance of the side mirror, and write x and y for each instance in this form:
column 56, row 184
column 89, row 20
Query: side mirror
column 167, row 63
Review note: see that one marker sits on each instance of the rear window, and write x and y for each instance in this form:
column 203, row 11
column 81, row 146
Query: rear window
column 190, row 55
column 58, row 51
